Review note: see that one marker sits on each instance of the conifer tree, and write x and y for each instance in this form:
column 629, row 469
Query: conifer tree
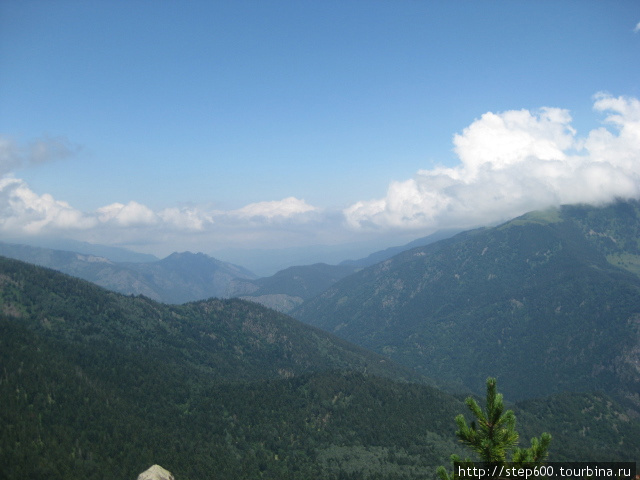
column 493, row 436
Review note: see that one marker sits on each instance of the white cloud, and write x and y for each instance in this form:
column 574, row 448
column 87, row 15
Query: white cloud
column 285, row 208
column 22, row 210
column 637, row 29
column 131, row 214
column 516, row 161
column 193, row 219
column 502, row 140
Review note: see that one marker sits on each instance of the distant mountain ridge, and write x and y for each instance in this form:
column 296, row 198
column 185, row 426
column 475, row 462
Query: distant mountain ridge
column 382, row 255
column 549, row 301
column 178, row 278
column 115, row 254
column 184, row 277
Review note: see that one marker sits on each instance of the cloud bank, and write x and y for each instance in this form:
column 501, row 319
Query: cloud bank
column 513, row 162
column 509, row 163
column 25, row 212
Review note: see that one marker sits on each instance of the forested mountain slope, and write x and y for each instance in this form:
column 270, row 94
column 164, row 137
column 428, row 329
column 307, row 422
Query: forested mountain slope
column 229, row 339
column 96, row 385
column 541, row 302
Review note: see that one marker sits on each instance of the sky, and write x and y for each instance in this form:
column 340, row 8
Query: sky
column 208, row 126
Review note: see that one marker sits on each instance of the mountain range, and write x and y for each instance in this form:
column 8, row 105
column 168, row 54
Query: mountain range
column 365, row 384
column 184, row 277
column 547, row 302
column 99, row 385
column 178, row 278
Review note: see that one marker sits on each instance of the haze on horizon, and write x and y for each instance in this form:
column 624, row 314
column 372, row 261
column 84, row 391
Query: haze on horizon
column 163, row 126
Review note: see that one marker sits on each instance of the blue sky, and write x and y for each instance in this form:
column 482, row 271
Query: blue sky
column 195, row 125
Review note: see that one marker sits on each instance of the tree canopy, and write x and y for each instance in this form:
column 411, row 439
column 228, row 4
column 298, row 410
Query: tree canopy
column 492, row 436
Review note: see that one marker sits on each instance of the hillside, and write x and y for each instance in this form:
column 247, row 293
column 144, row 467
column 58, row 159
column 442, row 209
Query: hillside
column 230, row 339
column 96, row 385
column 541, row 302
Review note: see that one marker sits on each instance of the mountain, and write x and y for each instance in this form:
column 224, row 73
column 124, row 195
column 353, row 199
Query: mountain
column 288, row 288
column 184, row 277
column 97, row 385
column 548, row 302
column 179, row 278
column 379, row 256
column 240, row 340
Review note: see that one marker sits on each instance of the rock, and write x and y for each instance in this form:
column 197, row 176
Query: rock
column 156, row 472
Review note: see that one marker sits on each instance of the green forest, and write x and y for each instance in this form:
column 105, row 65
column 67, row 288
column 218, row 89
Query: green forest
column 98, row 385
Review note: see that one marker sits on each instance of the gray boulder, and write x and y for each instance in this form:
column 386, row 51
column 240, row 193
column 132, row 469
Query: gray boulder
column 156, row 472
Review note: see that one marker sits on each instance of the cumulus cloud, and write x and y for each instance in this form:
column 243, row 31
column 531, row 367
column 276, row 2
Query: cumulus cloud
column 131, row 214
column 516, row 161
column 192, row 219
column 22, row 210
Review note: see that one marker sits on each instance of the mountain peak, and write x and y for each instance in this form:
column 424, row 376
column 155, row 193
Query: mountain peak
column 187, row 254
